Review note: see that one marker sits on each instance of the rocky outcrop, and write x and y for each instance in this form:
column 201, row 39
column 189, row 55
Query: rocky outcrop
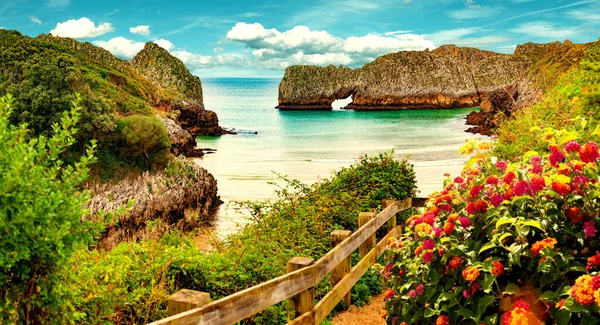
column 167, row 71
column 182, row 142
column 179, row 197
column 447, row 77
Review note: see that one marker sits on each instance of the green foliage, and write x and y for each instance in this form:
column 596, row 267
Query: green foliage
column 144, row 137
column 130, row 283
column 41, row 214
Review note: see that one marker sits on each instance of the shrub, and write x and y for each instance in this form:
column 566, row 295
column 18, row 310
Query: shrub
column 144, row 137
column 505, row 241
column 41, row 213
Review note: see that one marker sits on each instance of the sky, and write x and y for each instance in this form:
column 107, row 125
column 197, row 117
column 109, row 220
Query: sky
column 255, row 38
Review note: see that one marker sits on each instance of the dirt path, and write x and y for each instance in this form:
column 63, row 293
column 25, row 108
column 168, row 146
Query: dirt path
column 366, row 315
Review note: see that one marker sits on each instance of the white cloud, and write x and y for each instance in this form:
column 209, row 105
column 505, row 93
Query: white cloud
column 35, row 20
column 545, row 30
column 165, row 44
column 459, row 37
column 592, row 15
column 121, row 47
column 81, row 28
column 140, row 30
column 57, row 3
column 218, row 49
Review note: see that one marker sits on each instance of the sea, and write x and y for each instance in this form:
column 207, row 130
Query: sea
column 309, row 145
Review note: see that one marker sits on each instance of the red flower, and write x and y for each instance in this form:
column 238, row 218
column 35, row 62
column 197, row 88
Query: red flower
column 589, row 152
column 574, row 214
column 475, row 190
column 427, row 257
column 572, row 146
column 594, row 260
column 537, row 183
column 521, row 188
column 420, row 289
column 470, row 208
column 428, row 244
column 589, row 229
column 498, row 268
column 448, row 228
column 501, row 165
column 481, row 206
column 492, row 180
column 465, row 222
column 442, row 320
column 561, row 188
column 496, row 200
column 389, row 293
column 509, row 177
column 556, row 156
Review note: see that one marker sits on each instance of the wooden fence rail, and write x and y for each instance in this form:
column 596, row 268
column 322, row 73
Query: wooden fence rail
column 304, row 274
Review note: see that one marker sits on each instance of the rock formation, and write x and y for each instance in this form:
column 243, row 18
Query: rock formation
column 447, row 77
column 177, row 198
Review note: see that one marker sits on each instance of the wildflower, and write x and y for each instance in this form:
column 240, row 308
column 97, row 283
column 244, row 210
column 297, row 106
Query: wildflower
column 498, row 268
column 427, row 257
column 574, row 214
column 496, row 200
column 453, row 217
column 492, row 180
column 544, row 243
column 412, row 293
column 458, row 180
column 448, row 228
column 470, row 208
column 428, row 218
column 475, row 190
column 572, row 146
column 589, row 152
column 418, row 250
column 580, row 180
column 535, row 160
column 583, row 290
column 389, row 293
column 466, row 294
column 561, row 188
column 556, row 156
column 484, row 146
column 438, row 232
column 475, row 287
column 537, row 169
column 589, row 229
column 420, row 289
column 521, row 188
column 560, row 303
column 594, row 260
column 455, row 262
column 508, row 194
column 470, row 273
column 428, row 244
column 423, row 229
column 501, row 165
column 509, row 177
column 383, row 313
column 537, row 184
column 465, row 222
column 442, row 320
column 517, row 315
column 481, row 206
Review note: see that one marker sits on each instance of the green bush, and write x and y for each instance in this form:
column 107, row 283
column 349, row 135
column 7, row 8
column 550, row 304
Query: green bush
column 144, row 140
column 41, row 213
column 130, row 284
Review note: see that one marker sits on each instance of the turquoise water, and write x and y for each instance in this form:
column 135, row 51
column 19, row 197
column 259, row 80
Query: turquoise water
column 307, row 145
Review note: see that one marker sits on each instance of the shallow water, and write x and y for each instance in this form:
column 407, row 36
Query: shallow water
column 308, row 145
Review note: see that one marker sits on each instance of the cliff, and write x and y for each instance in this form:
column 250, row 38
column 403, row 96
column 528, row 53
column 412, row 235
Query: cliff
column 446, row 77
column 179, row 197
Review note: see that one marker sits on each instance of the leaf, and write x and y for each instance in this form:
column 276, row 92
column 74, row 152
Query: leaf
column 467, row 314
column 428, row 313
column 486, row 284
column 504, row 221
column 588, row 319
column 484, row 302
column 569, row 136
column 532, row 223
column 445, row 297
column 487, row 246
column 511, row 289
column 573, row 306
column 504, row 236
column 562, row 317
column 549, row 296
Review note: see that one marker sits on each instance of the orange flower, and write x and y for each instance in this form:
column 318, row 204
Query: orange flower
column 455, row 262
column 597, row 297
column 497, row 269
column 583, row 290
column 453, row 217
column 383, row 313
column 442, row 320
column 423, row 229
column 448, row 228
column 560, row 303
column 517, row 315
column 470, row 273
column 484, row 146
column 544, row 243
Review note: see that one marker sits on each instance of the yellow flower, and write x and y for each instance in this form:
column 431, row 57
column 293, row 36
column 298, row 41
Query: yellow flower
column 423, row 229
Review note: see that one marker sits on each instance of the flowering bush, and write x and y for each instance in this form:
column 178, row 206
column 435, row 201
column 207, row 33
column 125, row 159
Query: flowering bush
column 504, row 241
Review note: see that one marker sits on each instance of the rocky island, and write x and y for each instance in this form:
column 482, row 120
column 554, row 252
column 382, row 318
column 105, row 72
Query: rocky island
column 446, row 77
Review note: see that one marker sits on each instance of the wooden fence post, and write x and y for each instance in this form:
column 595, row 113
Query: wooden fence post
column 391, row 224
column 365, row 247
column 185, row 300
column 305, row 300
column 338, row 273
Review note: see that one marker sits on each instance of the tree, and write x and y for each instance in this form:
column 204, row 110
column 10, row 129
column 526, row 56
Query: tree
column 41, row 215
column 146, row 137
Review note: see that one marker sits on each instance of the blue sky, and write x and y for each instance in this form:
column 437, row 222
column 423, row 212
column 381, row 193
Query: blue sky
column 260, row 38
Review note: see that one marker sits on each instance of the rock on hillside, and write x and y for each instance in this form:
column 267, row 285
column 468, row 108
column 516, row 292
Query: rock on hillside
column 179, row 197
column 446, row 77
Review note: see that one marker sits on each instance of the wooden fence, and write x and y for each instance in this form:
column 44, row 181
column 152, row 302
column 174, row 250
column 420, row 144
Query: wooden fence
column 298, row 284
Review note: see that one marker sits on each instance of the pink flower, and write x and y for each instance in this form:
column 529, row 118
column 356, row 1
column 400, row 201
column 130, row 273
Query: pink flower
column 465, row 222
column 589, row 229
column 496, row 200
column 470, row 208
column 466, row 294
column 412, row 293
column 427, row 257
column 580, row 180
column 501, row 165
column 589, row 152
column 509, row 177
column 428, row 244
column 537, row 169
column 474, row 287
column 521, row 187
column 535, row 160
column 458, row 180
column 475, row 190
column 572, row 146
column 537, row 184
column 556, row 156
column 438, row 232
